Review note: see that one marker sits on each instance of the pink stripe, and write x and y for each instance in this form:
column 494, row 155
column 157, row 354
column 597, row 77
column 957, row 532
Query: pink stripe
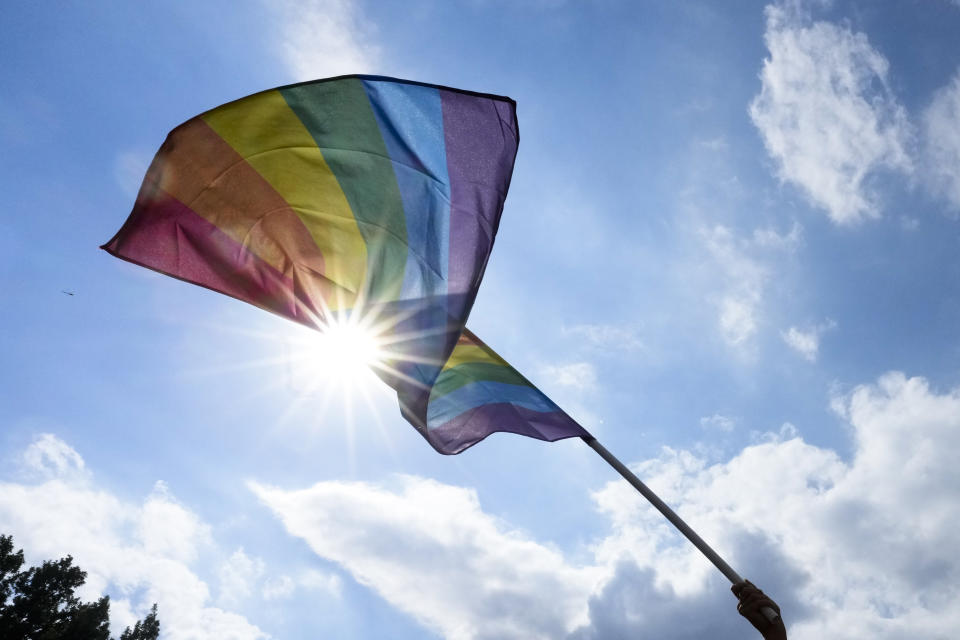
column 165, row 235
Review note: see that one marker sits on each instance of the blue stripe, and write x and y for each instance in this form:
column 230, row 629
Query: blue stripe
column 483, row 392
column 411, row 122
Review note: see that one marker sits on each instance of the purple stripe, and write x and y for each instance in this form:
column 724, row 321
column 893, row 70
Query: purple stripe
column 473, row 426
column 165, row 235
column 481, row 141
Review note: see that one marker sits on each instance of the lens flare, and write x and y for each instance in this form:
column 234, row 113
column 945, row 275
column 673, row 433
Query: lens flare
column 340, row 355
column 347, row 346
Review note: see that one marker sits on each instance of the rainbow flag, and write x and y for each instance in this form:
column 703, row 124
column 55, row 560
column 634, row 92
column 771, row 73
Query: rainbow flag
column 357, row 194
column 477, row 393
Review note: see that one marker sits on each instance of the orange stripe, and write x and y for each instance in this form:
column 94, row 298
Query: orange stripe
column 271, row 138
column 198, row 168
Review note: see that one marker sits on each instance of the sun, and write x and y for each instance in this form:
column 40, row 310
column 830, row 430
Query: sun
column 341, row 354
column 347, row 346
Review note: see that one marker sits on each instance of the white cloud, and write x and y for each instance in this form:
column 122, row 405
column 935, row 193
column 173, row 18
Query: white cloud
column 578, row 375
column 607, row 336
column 826, row 114
column 738, row 318
column 871, row 537
column 238, row 576
column 717, row 422
column 324, row 38
column 807, row 342
column 941, row 134
column 50, row 457
column 168, row 529
column 312, row 580
column 571, row 386
column 852, row 550
column 321, row 581
column 787, row 431
column 429, row 550
column 277, row 588
column 768, row 238
column 743, row 280
column 741, row 267
column 141, row 552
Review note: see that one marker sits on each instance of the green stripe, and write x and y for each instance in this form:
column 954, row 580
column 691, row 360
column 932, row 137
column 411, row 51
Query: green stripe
column 339, row 117
column 460, row 376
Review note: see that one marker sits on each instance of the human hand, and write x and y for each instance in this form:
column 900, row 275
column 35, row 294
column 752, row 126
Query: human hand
column 752, row 600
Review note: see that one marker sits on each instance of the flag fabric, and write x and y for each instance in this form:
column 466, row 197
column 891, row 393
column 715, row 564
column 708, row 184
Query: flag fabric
column 357, row 194
column 477, row 393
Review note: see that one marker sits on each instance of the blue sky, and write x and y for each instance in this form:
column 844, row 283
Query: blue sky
column 729, row 249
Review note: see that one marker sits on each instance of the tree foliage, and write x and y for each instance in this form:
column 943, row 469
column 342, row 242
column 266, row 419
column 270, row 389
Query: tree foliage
column 146, row 629
column 38, row 603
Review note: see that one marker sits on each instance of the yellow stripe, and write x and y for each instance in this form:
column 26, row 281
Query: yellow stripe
column 462, row 354
column 270, row 137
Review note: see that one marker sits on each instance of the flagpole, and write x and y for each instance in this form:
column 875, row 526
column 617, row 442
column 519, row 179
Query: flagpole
column 674, row 519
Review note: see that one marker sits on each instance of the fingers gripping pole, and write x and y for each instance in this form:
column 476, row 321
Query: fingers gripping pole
column 674, row 519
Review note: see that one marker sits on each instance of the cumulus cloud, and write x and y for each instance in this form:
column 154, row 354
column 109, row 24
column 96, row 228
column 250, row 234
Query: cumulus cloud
column 826, row 114
column 50, row 457
column 168, row 529
column 141, row 552
column 806, row 342
column 238, row 575
column 634, row 604
column 324, row 38
column 431, row 551
column 870, row 534
column 941, row 137
column 852, row 549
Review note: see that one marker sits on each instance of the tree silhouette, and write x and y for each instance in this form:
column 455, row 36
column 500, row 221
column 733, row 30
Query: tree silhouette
column 146, row 629
column 38, row 603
